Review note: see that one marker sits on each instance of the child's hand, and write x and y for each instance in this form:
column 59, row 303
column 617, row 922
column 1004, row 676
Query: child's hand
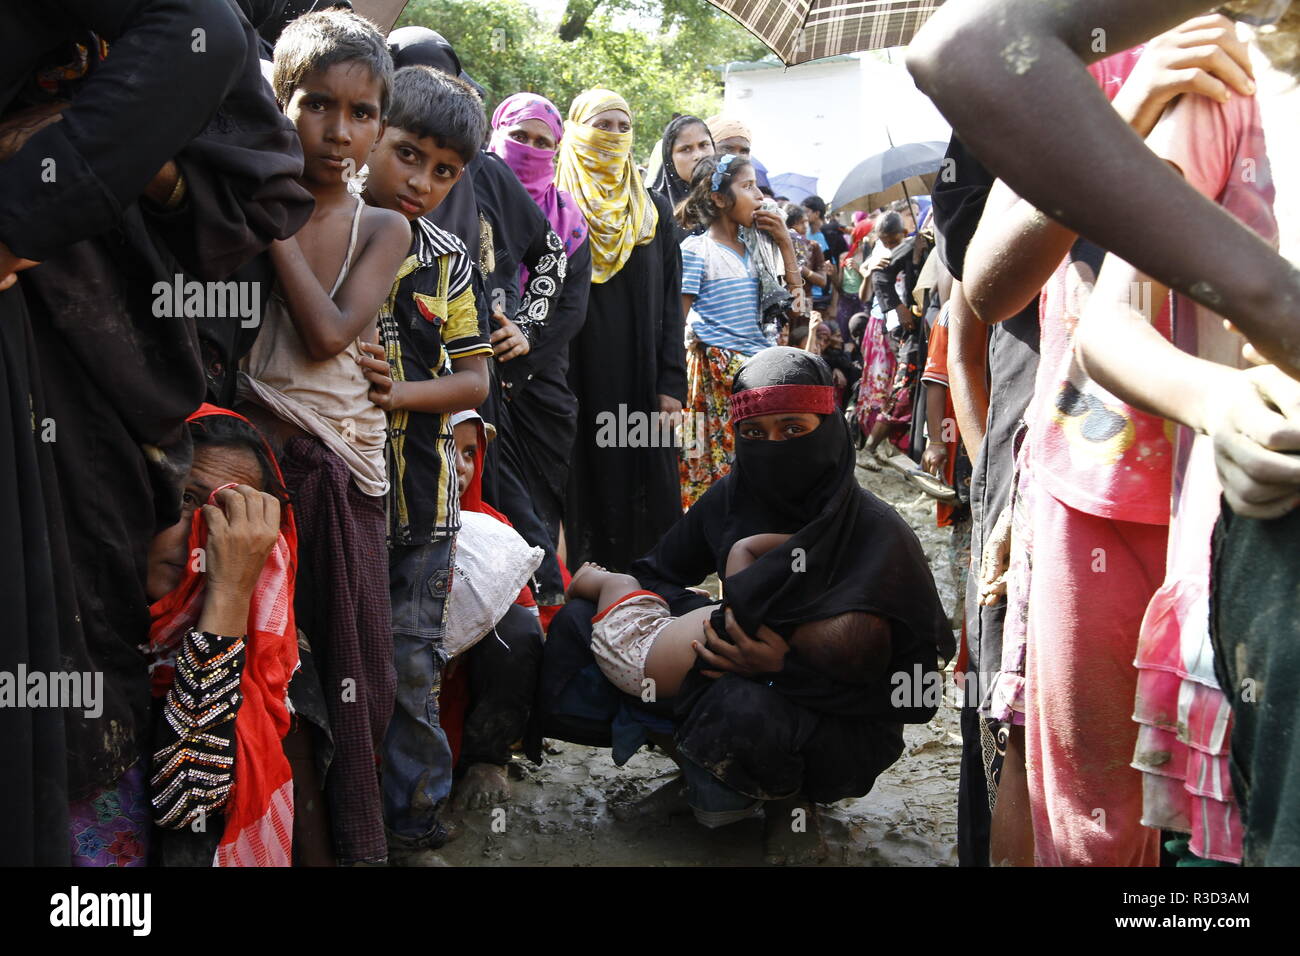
column 508, row 342
column 995, row 560
column 773, row 224
column 1256, row 436
column 383, row 390
column 1202, row 56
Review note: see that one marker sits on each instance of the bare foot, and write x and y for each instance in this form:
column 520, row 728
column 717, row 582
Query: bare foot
column 578, row 581
column 792, row 834
column 484, row 785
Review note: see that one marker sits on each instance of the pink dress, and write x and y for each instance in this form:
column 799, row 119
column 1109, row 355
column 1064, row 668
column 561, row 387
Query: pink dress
column 1185, row 720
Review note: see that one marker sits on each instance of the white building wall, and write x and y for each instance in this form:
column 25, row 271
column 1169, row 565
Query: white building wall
column 822, row 119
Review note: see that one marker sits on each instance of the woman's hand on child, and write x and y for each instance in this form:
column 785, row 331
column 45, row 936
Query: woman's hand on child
column 1256, row 432
column 508, row 342
column 746, row 656
column 383, row 390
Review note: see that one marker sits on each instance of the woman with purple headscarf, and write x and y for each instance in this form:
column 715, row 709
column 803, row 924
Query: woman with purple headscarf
column 526, row 130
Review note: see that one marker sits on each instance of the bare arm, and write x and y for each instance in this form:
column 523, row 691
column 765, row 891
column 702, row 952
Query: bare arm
column 1017, row 248
column 968, row 370
column 935, row 456
column 466, row 387
column 1253, row 415
column 1013, row 253
column 326, row 325
column 748, row 550
column 1020, row 101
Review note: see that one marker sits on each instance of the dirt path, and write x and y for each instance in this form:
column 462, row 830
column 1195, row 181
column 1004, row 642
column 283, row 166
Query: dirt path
column 578, row 809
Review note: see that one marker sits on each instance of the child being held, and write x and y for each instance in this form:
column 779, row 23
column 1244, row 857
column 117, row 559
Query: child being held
column 635, row 639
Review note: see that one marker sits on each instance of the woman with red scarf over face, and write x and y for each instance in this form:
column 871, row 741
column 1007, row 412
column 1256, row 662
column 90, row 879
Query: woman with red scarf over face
column 223, row 642
column 756, row 720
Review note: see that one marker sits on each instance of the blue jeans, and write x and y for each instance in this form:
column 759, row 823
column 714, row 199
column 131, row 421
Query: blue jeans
column 417, row 758
column 707, row 795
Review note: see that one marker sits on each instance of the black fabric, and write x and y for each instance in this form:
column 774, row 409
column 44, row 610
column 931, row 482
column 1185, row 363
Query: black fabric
column 503, row 670
column 542, row 406
column 148, row 100
column 458, row 214
column 667, row 182
column 512, row 491
column 761, row 743
column 120, row 381
column 974, row 804
column 1013, row 368
column 851, row 552
column 40, row 629
column 903, row 260
column 1253, row 612
column 620, row 499
column 958, row 202
column 521, row 236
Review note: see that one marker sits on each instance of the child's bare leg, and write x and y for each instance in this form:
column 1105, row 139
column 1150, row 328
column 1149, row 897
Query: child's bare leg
column 671, row 656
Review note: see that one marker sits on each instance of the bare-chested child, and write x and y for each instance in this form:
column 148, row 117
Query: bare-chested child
column 635, row 638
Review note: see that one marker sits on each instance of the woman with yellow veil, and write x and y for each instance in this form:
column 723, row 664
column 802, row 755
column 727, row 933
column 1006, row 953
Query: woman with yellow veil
column 628, row 365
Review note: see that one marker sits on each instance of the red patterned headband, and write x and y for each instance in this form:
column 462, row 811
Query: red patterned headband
column 783, row 400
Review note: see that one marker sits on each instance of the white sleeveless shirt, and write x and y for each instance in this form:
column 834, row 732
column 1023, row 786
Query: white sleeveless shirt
column 327, row 399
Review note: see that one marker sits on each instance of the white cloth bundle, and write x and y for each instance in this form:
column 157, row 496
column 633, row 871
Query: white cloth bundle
column 492, row 564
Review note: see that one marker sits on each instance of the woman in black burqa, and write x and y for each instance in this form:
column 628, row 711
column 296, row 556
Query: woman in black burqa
column 823, row 719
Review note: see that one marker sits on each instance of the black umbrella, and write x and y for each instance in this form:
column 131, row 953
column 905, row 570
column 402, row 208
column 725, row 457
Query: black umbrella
column 877, row 173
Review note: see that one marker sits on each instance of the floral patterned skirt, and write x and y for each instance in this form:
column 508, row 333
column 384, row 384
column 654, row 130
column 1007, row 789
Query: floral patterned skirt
column 878, row 368
column 708, row 442
column 112, row 827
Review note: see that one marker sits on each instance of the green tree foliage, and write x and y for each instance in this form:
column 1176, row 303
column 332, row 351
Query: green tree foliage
column 507, row 48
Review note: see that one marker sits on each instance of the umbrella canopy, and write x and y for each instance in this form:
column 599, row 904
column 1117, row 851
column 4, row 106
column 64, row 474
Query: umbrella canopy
column 880, row 172
column 760, row 172
column 794, row 186
column 803, row 30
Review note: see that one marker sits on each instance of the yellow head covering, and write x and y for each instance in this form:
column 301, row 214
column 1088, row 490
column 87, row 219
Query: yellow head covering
column 596, row 168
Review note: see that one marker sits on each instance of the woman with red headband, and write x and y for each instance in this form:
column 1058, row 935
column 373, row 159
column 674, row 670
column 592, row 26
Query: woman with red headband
column 760, row 719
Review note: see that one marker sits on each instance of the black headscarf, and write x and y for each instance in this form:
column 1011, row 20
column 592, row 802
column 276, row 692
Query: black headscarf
column 667, row 182
column 849, row 551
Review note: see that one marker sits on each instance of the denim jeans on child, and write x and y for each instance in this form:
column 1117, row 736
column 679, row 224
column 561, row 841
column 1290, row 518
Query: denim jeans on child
column 417, row 758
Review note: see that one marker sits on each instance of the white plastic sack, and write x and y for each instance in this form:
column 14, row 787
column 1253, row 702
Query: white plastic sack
column 492, row 564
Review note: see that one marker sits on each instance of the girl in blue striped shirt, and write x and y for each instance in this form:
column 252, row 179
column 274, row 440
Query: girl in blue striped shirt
column 720, row 296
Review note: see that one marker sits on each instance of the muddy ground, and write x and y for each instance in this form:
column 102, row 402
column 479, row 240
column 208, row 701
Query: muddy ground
column 578, row 809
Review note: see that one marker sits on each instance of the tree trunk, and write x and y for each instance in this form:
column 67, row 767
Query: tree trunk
column 576, row 15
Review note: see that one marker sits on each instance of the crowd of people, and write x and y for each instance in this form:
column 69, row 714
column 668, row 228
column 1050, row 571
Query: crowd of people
column 356, row 443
